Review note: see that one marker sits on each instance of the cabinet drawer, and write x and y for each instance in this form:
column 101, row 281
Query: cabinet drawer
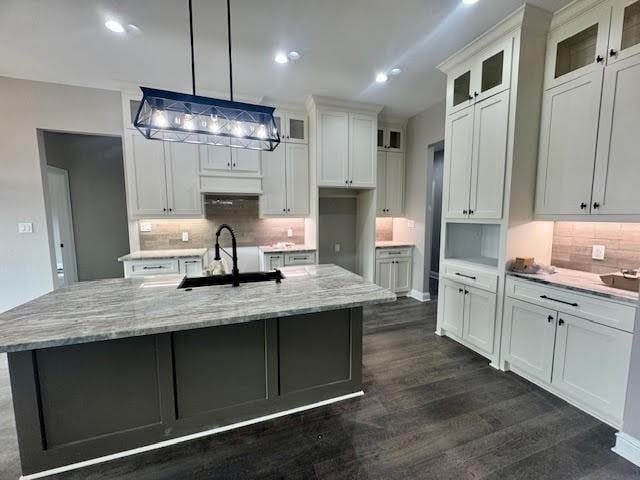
column 151, row 267
column 393, row 252
column 475, row 278
column 585, row 306
column 302, row 258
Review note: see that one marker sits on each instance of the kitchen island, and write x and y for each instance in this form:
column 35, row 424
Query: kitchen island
column 112, row 365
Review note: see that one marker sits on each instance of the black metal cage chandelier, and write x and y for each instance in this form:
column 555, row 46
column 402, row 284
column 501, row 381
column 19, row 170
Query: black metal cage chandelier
column 180, row 117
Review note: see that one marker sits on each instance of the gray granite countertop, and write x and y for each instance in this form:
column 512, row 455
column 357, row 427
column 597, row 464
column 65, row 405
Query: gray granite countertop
column 392, row 244
column 163, row 254
column 118, row 308
column 578, row 281
column 293, row 248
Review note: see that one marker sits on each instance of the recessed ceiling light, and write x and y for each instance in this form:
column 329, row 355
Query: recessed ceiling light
column 293, row 55
column 281, row 58
column 469, row 2
column 395, row 71
column 381, row 77
column 114, row 26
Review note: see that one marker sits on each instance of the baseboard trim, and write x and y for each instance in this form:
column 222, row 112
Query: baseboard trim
column 186, row 438
column 628, row 447
column 420, row 296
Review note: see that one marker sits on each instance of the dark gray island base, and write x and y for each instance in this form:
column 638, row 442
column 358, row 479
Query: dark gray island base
column 82, row 400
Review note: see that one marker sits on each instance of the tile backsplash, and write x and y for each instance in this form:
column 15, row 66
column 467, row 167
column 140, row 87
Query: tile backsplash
column 241, row 213
column 573, row 242
column 384, row 229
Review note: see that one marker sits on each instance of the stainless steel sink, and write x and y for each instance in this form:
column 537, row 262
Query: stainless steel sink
column 228, row 279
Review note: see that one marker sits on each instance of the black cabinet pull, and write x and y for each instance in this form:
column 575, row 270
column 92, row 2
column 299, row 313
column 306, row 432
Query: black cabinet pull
column 599, row 59
column 476, row 94
column 561, row 322
column 613, row 53
column 550, row 318
column 159, row 267
column 465, row 276
column 464, row 212
column 583, row 206
column 471, row 212
column 544, row 297
column 460, row 290
column 466, row 292
column 596, row 205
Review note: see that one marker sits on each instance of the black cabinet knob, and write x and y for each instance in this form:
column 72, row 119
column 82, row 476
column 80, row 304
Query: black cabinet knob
column 596, row 205
column 583, row 206
column 460, row 290
column 613, row 53
column 464, row 212
column 347, row 182
column 471, row 212
column 599, row 59
column 476, row 94
column 550, row 318
column 164, row 209
column 561, row 322
column 350, row 181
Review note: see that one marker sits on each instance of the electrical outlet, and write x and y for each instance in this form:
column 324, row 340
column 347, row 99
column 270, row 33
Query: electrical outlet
column 289, row 232
column 411, row 224
column 597, row 253
column 337, row 247
column 185, row 236
column 145, row 227
column 25, row 227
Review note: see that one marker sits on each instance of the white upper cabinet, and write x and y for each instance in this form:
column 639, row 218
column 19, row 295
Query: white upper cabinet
column 285, row 183
column 226, row 161
column 333, row 148
column 578, row 47
column 362, row 151
column 487, row 73
column 343, row 144
column 624, row 38
column 147, row 179
column 568, row 146
column 381, row 189
column 588, row 141
column 297, row 179
column 457, row 153
column 244, row 160
column 183, row 186
column 615, row 184
column 292, row 126
column 390, row 188
column 491, row 126
column 274, row 194
column 163, row 178
column 390, row 138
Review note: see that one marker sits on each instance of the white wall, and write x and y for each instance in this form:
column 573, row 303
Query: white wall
column 423, row 131
column 25, row 263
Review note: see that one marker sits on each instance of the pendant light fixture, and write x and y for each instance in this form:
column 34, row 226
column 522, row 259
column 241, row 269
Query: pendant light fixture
column 180, row 117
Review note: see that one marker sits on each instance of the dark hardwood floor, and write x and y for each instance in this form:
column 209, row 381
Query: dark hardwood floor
column 432, row 410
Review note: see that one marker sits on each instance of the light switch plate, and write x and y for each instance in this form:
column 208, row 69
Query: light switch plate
column 289, row 232
column 337, row 247
column 185, row 236
column 597, row 252
column 145, row 227
column 25, row 227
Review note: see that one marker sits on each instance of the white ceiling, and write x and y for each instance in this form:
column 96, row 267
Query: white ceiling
column 343, row 43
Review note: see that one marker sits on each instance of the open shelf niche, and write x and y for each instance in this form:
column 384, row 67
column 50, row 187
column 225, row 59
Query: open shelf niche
column 474, row 243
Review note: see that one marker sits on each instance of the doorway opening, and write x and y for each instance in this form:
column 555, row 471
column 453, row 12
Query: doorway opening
column 86, row 205
column 436, row 170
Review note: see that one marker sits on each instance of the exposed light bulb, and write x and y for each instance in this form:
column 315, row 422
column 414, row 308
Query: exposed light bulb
column 214, row 125
column 262, row 131
column 159, row 119
column 187, row 122
column 381, row 77
column 395, row 71
column 238, row 129
column 114, row 26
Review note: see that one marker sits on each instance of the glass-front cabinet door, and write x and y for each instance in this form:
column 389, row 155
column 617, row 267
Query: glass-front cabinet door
column 381, row 139
column 459, row 92
column 394, row 139
column 624, row 39
column 494, row 70
column 578, row 47
column 296, row 128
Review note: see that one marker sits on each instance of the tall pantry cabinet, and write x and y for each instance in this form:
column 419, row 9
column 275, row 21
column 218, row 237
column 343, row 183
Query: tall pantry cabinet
column 589, row 129
column 494, row 90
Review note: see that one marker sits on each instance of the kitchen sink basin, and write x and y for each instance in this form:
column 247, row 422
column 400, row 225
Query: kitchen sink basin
column 248, row 277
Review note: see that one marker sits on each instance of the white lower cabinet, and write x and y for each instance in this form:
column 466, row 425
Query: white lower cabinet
column 585, row 362
column 394, row 269
column 277, row 260
column 469, row 314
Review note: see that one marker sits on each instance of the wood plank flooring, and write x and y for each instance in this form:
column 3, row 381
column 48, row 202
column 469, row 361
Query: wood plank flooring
column 432, row 410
